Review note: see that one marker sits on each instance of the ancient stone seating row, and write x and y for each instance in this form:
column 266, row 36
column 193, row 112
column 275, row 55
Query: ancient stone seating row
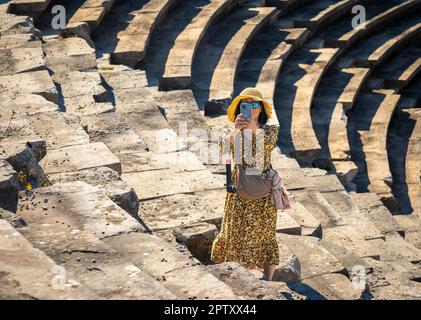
column 133, row 41
column 177, row 74
column 375, row 23
column 32, row 8
column 251, row 20
column 308, row 143
column 87, row 18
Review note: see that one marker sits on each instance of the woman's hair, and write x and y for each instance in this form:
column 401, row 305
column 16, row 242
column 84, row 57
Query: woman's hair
column 262, row 119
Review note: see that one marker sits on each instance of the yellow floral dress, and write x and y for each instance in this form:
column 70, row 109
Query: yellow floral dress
column 248, row 228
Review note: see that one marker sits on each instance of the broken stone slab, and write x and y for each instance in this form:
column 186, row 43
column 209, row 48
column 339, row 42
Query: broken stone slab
column 396, row 248
column 27, row 273
column 314, row 258
column 32, row 8
column 176, row 211
column 392, row 279
column 17, row 131
column 59, row 129
column 9, row 187
column 86, row 105
column 25, row 40
column 19, row 60
column 349, row 238
column 78, row 29
column 370, row 204
column 314, row 202
column 346, row 171
column 332, row 287
column 149, row 184
column 24, row 104
column 310, row 225
column 135, row 99
column 244, row 283
column 198, row 238
column 289, row 267
column 24, row 161
column 81, row 83
column 125, row 79
column 88, row 207
column 343, row 204
column 348, row 258
column 107, row 180
column 69, row 54
column 79, row 157
column 185, row 277
column 37, row 82
column 112, row 129
column 13, row 25
column 286, row 224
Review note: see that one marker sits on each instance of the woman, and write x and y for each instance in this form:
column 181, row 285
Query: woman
column 247, row 233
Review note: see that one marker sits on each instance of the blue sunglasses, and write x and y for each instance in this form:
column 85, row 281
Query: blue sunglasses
column 253, row 105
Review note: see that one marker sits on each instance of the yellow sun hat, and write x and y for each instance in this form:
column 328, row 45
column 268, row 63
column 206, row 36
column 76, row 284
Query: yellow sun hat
column 251, row 93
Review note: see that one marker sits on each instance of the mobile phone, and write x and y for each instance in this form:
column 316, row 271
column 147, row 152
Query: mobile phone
column 246, row 110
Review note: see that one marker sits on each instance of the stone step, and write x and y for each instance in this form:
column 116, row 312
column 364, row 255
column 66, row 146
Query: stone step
column 315, row 203
column 315, row 259
column 133, row 41
column 149, row 184
column 178, row 67
column 83, row 92
column 310, row 225
column 333, row 286
column 27, row 273
column 349, row 259
column 302, row 132
column 58, row 129
column 79, row 157
column 250, row 21
column 413, row 167
column 243, row 283
column 185, row 277
column 106, row 180
column 375, row 144
column 37, row 82
column 343, row 204
column 405, row 77
column 33, row 8
column 373, row 208
column 392, row 280
column 330, row 13
column 65, row 54
column 18, row 60
column 374, row 23
column 391, row 46
column 87, row 18
column 178, row 210
column 76, row 215
column 396, row 248
column 350, row 238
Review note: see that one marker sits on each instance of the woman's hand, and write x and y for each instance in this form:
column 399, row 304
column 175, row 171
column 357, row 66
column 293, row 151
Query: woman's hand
column 241, row 122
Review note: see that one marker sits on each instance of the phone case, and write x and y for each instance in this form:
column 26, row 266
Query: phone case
column 246, row 111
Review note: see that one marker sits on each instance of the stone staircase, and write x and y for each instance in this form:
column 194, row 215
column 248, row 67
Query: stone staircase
column 104, row 183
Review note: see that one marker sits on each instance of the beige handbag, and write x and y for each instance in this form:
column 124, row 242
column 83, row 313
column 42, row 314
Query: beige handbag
column 256, row 186
column 252, row 186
